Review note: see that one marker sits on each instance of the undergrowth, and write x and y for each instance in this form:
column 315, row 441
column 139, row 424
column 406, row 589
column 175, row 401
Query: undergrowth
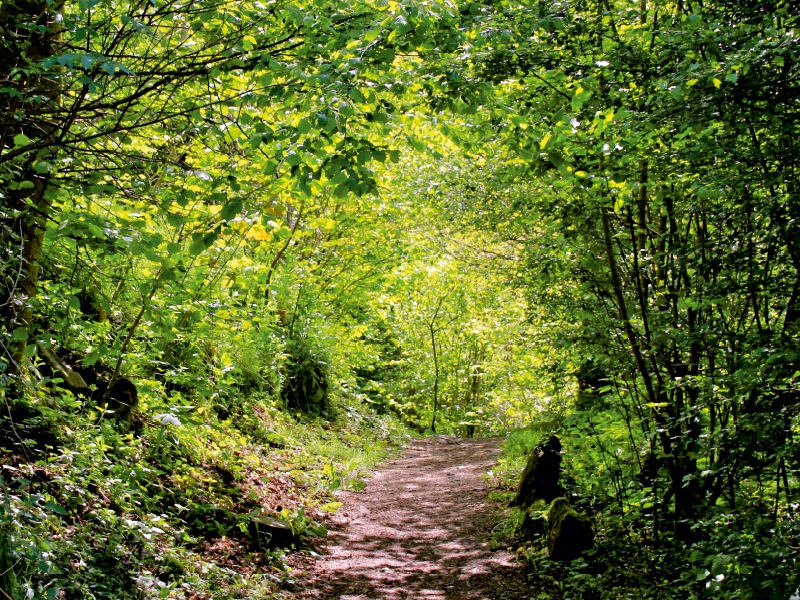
column 750, row 555
column 161, row 511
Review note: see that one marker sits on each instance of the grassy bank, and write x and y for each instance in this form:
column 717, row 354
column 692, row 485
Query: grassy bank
column 94, row 509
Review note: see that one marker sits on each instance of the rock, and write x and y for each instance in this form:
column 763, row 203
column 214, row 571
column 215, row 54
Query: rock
column 540, row 477
column 534, row 524
column 570, row 533
column 269, row 532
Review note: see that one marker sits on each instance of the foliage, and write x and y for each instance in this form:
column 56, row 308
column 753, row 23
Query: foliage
column 164, row 514
column 473, row 217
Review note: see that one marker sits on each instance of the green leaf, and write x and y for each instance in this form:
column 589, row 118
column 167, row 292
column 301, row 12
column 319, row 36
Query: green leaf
column 364, row 156
column 357, row 96
column 52, row 507
column 271, row 167
column 21, row 140
column 332, row 507
column 175, row 220
column 91, row 358
column 341, row 190
column 20, row 334
column 197, row 246
column 304, row 126
column 231, row 209
column 385, row 55
column 201, row 241
column 580, row 97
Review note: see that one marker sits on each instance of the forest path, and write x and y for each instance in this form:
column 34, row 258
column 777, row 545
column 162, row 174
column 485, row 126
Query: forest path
column 420, row 530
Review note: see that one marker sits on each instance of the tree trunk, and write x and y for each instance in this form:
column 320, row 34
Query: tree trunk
column 30, row 36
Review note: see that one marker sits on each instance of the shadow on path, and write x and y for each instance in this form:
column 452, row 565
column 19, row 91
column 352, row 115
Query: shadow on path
column 419, row 530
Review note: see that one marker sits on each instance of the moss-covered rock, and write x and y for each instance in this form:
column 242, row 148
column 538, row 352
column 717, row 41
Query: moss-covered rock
column 540, row 477
column 570, row 533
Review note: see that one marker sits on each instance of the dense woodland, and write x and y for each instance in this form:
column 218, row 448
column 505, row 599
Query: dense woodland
column 250, row 247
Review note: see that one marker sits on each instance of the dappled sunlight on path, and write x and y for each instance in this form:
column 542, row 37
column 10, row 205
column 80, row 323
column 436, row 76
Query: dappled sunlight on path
column 419, row 530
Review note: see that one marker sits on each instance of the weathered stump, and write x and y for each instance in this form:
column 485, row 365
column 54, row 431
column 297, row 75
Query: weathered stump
column 269, row 532
column 570, row 533
column 540, row 477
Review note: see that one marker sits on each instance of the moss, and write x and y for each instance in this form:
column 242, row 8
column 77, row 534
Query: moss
column 540, row 477
column 570, row 533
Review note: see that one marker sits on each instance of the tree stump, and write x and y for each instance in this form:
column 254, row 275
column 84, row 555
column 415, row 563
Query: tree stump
column 570, row 533
column 540, row 477
column 269, row 532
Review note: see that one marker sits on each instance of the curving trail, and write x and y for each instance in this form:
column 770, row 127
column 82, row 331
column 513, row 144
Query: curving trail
column 419, row 531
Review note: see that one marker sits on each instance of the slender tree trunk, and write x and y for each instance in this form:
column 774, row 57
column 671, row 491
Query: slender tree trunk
column 30, row 35
column 432, row 331
column 679, row 465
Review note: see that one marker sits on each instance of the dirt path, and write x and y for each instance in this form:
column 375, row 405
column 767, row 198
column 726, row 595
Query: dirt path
column 419, row 531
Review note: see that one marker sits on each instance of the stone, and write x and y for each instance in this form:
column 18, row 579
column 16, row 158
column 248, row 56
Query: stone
column 540, row 477
column 269, row 532
column 570, row 533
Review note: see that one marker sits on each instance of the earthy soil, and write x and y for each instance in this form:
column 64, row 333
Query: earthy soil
column 420, row 530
